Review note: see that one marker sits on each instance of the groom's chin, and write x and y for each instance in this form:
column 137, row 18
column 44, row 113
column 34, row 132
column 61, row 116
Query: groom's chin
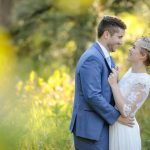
column 113, row 50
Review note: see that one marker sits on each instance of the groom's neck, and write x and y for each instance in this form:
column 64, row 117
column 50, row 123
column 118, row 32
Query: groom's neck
column 104, row 43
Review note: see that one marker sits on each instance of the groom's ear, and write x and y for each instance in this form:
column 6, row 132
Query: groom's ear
column 106, row 34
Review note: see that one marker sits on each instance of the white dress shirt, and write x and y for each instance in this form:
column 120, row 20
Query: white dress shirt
column 106, row 53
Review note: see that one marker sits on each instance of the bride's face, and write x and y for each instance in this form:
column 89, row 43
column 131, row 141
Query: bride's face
column 134, row 54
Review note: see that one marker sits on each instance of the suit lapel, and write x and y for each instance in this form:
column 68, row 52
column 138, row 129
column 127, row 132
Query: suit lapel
column 112, row 63
column 96, row 45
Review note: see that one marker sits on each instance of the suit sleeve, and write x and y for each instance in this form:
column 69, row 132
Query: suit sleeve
column 90, row 76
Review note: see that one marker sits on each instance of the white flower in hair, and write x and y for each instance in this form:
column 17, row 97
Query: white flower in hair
column 145, row 43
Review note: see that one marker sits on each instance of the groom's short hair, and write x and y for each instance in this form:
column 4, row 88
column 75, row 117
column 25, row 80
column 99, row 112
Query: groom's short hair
column 110, row 24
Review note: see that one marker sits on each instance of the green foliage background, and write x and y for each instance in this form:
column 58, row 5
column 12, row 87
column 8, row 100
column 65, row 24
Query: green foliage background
column 39, row 50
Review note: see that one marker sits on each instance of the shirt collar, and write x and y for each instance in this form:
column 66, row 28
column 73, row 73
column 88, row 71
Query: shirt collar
column 106, row 53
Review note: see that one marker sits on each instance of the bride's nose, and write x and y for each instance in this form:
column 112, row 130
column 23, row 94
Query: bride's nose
column 130, row 51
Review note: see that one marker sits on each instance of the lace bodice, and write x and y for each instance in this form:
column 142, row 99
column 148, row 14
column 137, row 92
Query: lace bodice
column 135, row 89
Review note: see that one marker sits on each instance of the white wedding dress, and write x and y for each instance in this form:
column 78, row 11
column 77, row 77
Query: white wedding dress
column 135, row 89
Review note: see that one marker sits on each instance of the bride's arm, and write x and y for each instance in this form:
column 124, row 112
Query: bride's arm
column 134, row 100
column 119, row 100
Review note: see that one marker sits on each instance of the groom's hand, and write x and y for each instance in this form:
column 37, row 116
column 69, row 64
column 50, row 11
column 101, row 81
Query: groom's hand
column 128, row 121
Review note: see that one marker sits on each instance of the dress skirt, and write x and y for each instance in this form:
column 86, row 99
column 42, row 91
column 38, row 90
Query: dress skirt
column 122, row 137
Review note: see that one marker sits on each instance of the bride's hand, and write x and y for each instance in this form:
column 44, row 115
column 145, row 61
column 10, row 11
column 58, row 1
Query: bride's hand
column 117, row 70
column 113, row 78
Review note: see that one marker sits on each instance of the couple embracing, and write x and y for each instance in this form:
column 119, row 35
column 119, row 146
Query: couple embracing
column 104, row 110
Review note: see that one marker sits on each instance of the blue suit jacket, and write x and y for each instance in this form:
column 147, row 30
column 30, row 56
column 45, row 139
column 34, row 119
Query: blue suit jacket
column 93, row 102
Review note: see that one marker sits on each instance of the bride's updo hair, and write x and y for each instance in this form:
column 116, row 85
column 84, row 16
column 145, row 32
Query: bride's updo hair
column 145, row 48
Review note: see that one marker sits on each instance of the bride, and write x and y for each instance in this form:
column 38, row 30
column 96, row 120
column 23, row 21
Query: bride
column 129, row 94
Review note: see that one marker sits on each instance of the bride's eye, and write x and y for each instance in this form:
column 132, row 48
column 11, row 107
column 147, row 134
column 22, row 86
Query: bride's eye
column 133, row 46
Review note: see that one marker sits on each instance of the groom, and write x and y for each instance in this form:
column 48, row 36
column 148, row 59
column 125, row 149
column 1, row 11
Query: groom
column 94, row 110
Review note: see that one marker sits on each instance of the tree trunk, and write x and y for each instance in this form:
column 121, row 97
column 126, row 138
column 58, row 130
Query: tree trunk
column 5, row 12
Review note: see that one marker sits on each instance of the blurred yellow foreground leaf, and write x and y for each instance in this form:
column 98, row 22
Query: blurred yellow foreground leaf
column 7, row 58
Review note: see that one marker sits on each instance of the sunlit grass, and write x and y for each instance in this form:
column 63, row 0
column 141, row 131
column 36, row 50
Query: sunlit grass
column 39, row 116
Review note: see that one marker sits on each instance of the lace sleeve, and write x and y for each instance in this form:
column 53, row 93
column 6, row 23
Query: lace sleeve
column 135, row 99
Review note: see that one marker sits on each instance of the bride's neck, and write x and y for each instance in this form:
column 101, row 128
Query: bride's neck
column 138, row 68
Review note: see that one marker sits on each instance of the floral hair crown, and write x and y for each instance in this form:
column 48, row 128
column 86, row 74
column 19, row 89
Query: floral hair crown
column 145, row 43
